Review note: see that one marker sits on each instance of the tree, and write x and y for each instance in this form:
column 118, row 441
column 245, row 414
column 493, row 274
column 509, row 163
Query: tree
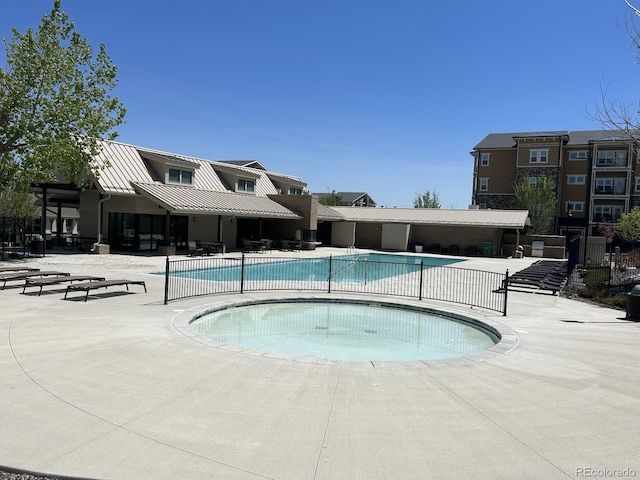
column 427, row 200
column 628, row 226
column 331, row 199
column 16, row 205
column 617, row 114
column 540, row 199
column 55, row 103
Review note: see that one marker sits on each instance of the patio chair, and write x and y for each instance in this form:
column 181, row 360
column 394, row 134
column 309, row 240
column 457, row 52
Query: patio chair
column 472, row 251
column 194, row 249
column 454, row 249
column 434, row 248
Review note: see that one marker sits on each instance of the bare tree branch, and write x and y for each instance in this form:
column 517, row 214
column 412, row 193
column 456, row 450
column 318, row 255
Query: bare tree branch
column 637, row 12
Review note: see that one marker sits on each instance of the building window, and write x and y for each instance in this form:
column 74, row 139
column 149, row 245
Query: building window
column 606, row 213
column 246, row 185
column 180, row 176
column 576, row 179
column 533, row 181
column 539, row 156
column 578, row 155
column 612, row 158
column 637, row 184
column 575, row 207
column 484, row 159
column 484, row 184
column 604, row 185
column 295, row 191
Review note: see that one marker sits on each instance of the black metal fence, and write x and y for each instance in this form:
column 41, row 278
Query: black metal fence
column 214, row 275
column 16, row 239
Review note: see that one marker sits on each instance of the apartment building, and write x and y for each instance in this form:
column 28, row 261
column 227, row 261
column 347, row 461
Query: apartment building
column 596, row 174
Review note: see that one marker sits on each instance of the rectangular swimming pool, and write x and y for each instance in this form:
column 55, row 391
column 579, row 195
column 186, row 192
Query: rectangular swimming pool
column 344, row 268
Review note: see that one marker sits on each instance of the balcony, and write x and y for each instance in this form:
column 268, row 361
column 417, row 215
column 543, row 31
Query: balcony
column 617, row 190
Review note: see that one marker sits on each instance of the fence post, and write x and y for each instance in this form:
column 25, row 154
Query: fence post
column 421, row 275
column 506, row 289
column 242, row 275
column 330, row 269
column 166, row 281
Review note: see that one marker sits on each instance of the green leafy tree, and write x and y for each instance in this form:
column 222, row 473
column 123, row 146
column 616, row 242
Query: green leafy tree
column 628, row 226
column 330, row 199
column 55, row 103
column 540, row 199
column 16, row 204
column 427, row 200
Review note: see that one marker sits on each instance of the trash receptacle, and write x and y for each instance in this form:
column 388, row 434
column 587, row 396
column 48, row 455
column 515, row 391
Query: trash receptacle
column 633, row 303
column 487, row 249
column 37, row 247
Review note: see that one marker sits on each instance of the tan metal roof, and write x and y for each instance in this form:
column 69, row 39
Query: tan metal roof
column 327, row 213
column 119, row 164
column 184, row 200
column 436, row 216
column 122, row 164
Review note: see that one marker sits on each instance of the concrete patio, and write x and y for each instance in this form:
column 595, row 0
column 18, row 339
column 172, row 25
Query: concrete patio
column 112, row 389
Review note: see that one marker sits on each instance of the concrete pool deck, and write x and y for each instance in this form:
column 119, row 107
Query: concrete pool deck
column 111, row 389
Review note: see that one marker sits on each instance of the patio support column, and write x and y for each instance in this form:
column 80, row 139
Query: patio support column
column 43, row 214
column 167, row 228
column 59, row 223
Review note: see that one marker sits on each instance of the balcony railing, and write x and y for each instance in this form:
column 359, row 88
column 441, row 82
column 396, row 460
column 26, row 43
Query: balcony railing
column 617, row 190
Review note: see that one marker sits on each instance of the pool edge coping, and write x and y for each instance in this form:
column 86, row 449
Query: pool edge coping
column 508, row 338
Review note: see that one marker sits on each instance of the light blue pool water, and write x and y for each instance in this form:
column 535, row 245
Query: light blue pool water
column 341, row 330
column 345, row 268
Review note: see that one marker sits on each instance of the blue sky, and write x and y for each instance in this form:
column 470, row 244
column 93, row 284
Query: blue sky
column 387, row 97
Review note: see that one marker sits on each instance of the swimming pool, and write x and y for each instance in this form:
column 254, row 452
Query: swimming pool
column 343, row 268
column 350, row 330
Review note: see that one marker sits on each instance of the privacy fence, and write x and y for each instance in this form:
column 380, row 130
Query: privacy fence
column 216, row 275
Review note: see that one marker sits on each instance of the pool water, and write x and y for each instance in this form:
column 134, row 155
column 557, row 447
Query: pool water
column 345, row 268
column 341, row 330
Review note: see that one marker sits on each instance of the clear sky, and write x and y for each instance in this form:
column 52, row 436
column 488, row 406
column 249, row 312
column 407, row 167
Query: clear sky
column 386, row 97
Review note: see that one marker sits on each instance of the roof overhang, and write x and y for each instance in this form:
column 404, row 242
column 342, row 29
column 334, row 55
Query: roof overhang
column 185, row 200
column 436, row 216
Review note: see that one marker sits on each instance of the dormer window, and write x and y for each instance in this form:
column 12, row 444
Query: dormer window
column 295, row 191
column 246, row 185
column 184, row 177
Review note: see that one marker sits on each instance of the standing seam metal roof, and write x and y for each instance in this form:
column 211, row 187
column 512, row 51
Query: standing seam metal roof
column 436, row 216
column 179, row 199
column 121, row 164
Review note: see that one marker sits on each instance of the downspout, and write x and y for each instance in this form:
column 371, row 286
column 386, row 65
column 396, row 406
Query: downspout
column 100, row 202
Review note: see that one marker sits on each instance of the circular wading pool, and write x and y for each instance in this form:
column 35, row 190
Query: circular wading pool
column 345, row 330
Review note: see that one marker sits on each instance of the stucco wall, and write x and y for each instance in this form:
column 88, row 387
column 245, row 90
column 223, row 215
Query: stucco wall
column 343, row 234
column 462, row 236
column 395, row 236
column 368, row 235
